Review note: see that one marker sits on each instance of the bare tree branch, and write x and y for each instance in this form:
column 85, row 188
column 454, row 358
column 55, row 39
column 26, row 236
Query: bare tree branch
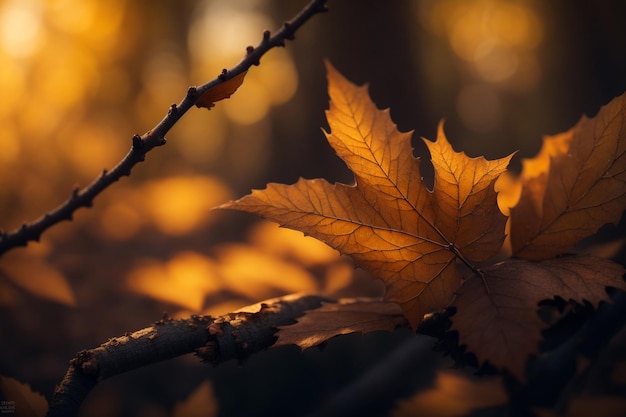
column 232, row 336
column 143, row 144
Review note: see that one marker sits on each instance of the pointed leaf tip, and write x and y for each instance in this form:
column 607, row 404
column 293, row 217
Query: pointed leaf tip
column 575, row 185
column 390, row 223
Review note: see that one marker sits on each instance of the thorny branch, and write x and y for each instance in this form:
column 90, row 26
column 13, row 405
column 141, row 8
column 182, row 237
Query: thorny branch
column 143, row 144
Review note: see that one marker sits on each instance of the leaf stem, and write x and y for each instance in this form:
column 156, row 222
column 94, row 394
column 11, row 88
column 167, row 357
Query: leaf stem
column 472, row 267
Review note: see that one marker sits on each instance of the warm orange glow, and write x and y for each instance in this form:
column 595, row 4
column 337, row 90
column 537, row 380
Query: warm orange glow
column 66, row 73
column 10, row 143
column 164, row 77
column 218, row 309
column 184, row 280
column 250, row 105
column 12, row 84
column 178, row 205
column 90, row 145
column 202, row 138
column 492, row 34
column 252, row 273
column 273, row 84
column 21, row 27
column 454, row 394
column 275, row 262
column 202, row 402
column 216, row 37
column 121, row 221
column 291, row 244
column 495, row 43
column 9, row 296
column 30, row 270
column 73, row 93
column 478, row 105
column 174, row 205
column 338, row 276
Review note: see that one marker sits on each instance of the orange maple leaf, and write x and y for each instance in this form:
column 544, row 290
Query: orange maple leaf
column 389, row 222
column 501, row 324
column 418, row 240
column 344, row 317
column 575, row 185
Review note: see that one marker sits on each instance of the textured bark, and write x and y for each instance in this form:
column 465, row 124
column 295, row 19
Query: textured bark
column 215, row 340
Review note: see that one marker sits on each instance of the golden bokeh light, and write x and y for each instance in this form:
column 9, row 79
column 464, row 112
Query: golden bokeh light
column 250, row 272
column 200, row 138
column 481, row 31
column 80, row 17
column 249, row 105
column 120, row 221
column 21, row 33
column 272, row 262
column 218, row 36
column 453, row 394
column 478, row 105
column 495, row 43
column 279, row 77
column 31, row 270
column 12, row 84
column 221, row 28
column 73, row 95
column 339, row 275
column 90, row 145
column 164, row 78
column 178, row 205
column 10, row 144
column 291, row 244
column 217, row 309
column 183, row 280
column 272, row 84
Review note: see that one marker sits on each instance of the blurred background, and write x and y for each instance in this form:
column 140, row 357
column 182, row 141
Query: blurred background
column 79, row 77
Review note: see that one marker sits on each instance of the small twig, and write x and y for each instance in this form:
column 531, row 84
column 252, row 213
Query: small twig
column 232, row 336
column 143, row 144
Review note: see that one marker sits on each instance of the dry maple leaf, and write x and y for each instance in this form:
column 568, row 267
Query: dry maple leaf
column 414, row 238
column 501, row 325
column 344, row 317
column 390, row 222
column 575, row 185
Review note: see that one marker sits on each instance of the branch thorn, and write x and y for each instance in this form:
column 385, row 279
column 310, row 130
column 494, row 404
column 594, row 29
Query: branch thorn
column 289, row 33
column 137, row 142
